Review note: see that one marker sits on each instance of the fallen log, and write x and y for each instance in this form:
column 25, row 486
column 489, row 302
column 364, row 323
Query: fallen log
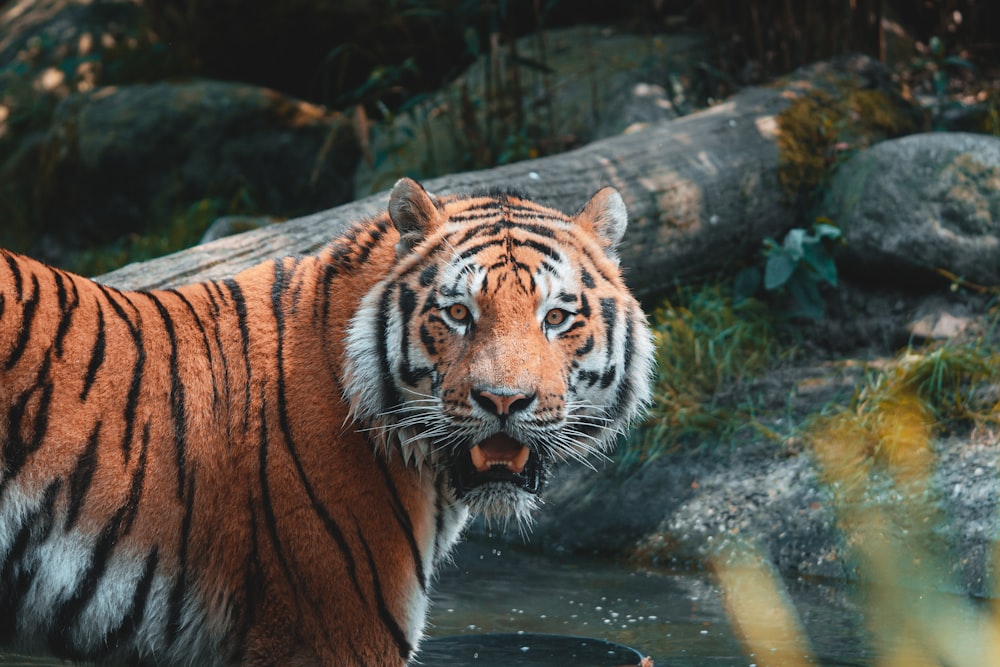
column 702, row 191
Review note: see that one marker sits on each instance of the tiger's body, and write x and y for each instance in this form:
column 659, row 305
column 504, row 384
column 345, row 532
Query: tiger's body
column 266, row 470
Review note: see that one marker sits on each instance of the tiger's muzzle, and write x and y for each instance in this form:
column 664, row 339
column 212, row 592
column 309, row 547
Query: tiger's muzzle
column 498, row 459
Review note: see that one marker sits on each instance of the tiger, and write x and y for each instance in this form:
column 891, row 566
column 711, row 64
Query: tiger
column 268, row 469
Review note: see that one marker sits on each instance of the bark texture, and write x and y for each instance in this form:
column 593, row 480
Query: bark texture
column 702, row 192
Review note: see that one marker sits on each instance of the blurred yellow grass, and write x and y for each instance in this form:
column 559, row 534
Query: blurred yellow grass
column 884, row 441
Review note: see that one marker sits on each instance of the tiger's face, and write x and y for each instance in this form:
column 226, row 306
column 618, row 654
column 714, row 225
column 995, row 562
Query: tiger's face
column 503, row 340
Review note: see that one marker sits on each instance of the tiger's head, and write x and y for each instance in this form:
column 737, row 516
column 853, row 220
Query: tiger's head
column 502, row 340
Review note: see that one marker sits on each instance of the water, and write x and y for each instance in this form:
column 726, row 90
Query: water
column 675, row 617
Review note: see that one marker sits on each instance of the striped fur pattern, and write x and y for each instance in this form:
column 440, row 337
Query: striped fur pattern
column 266, row 470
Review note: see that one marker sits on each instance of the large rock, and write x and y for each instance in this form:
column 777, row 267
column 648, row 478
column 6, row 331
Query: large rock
column 565, row 88
column 46, row 33
column 115, row 155
column 922, row 205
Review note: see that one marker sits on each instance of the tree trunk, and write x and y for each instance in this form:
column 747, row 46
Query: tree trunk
column 702, row 191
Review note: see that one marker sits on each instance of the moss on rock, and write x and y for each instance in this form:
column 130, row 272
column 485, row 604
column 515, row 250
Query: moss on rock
column 821, row 128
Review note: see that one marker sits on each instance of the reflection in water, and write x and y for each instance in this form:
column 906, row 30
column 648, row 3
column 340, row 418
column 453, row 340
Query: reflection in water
column 676, row 617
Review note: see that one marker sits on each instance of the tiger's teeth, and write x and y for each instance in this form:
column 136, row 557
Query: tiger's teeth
column 515, row 465
column 479, row 459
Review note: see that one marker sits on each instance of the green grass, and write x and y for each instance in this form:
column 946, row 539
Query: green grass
column 181, row 231
column 903, row 403
column 706, row 343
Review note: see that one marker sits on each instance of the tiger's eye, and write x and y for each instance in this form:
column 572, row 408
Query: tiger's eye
column 555, row 317
column 458, row 312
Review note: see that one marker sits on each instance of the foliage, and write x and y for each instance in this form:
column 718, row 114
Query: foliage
column 941, row 68
column 820, row 130
column 182, row 230
column 798, row 266
column 878, row 463
column 48, row 69
column 705, row 344
column 776, row 36
column 903, row 403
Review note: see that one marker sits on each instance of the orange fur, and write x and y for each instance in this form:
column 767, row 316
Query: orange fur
column 194, row 456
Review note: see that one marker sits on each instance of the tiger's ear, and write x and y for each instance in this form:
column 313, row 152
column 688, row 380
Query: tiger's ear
column 606, row 214
column 413, row 211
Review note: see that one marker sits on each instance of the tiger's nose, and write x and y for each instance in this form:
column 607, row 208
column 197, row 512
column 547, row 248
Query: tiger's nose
column 502, row 404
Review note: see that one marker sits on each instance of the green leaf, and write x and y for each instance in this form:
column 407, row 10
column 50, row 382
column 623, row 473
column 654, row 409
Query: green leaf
column 825, row 231
column 746, row 283
column 793, row 243
column 961, row 62
column 806, row 294
column 820, row 261
column 778, row 270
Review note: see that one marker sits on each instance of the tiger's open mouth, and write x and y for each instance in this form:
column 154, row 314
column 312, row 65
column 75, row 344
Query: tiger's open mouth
column 498, row 458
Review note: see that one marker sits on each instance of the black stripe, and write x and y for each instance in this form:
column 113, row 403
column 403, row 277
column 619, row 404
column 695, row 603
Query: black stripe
column 204, row 339
column 293, row 288
column 587, row 279
column 541, row 248
column 270, row 519
column 68, row 614
column 473, row 215
column 407, row 304
column 491, row 234
column 405, row 523
column 534, row 210
column 585, row 348
column 374, row 236
column 66, row 307
column 428, row 340
column 329, row 273
column 175, row 603
column 252, row 585
column 626, row 390
column 384, row 614
column 16, row 272
column 389, row 389
column 329, row 524
column 590, row 258
column 81, row 477
column 590, row 377
column 479, row 247
column 438, row 524
column 239, row 303
column 213, row 304
column 609, row 313
column 27, row 317
column 96, row 355
column 132, row 620
column 494, row 224
column 428, row 275
column 62, row 301
column 608, row 376
column 214, row 315
column 487, row 228
column 132, row 398
column 138, row 481
column 16, row 572
column 542, row 229
column 177, row 408
column 16, row 449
